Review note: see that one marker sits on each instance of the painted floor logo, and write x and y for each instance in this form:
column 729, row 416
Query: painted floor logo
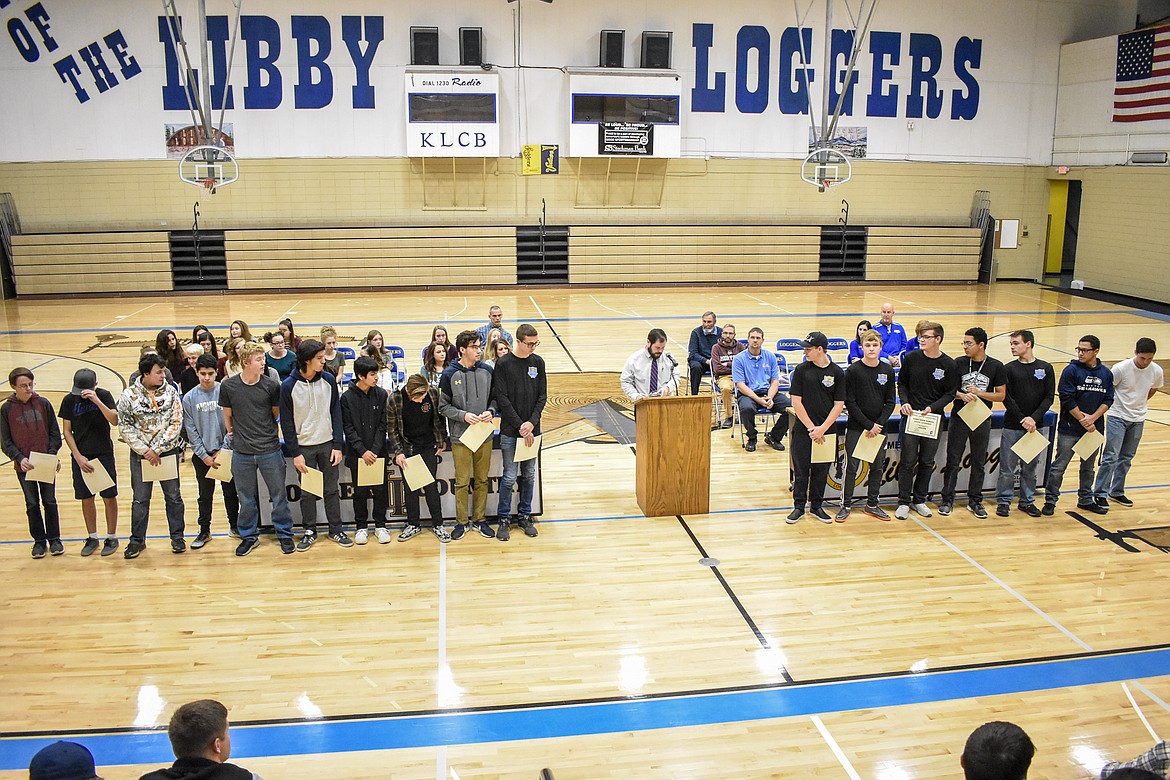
column 1158, row 538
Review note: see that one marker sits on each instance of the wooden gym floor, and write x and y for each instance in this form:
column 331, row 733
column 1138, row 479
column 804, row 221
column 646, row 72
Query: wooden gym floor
column 602, row 648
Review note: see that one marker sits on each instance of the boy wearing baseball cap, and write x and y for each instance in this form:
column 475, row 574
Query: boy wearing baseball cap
column 86, row 416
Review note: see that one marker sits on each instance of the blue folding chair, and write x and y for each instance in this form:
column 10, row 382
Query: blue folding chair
column 837, row 345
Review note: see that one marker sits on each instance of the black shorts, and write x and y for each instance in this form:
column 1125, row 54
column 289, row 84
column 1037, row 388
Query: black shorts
column 81, row 490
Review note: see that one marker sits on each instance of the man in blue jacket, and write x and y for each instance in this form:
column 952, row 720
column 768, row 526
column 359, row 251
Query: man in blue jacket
column 699, row 350
column 1086, row 392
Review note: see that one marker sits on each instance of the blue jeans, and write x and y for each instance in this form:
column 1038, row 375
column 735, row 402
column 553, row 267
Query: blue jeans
column 271, row 468
column 527, row 471
column 1005, row 486
column 140, row 509
column 1060, row 461
column 1121, row 443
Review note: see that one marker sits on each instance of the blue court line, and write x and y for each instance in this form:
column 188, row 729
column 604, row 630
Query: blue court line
column 608, row 717
column 687, row 317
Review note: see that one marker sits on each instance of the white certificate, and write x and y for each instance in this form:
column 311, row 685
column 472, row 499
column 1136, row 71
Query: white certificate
column 371, row 474
column 826, row 452
column 868, row 447
column 475, row 435
column 924, row 425
column 974, row 414
column 44, row 467
column 165, row 471
column 524, row 451
column 416, row 473
column 99, row 480
column 1087, row 446
column 223, row 470
column 1030, row 445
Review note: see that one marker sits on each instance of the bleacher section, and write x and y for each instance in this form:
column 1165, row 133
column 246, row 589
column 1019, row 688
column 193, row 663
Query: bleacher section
column 49, row 264
column 946, row 254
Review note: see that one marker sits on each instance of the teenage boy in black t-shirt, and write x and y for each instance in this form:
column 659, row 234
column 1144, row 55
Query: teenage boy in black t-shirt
column 1031, row 385
column 86, row 416
column 870, row 397
column 818, row 398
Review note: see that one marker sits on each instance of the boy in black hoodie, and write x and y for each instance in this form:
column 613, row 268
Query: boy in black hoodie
column 363, row 418
column 27, row 424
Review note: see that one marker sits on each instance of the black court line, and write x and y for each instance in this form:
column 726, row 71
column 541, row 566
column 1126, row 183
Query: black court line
column 562, row 343
column 763, row 640
column 401, row 714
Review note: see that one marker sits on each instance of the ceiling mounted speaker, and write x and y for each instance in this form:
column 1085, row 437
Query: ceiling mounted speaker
column 656, row 49
column 424, row 45
column 1148, row 158
column 613, row 49
column 471, row 46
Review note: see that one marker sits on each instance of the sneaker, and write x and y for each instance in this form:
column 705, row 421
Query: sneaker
column 133, row 549
column 458, row 532
column 525, row 523
column 408, row 532
column 776, row 445
column 922, row 510
column 110, row 546
column 287, row 545
column 202, row 538
column 902, row 512
column 441, row 533
column 1094, row 507
column 362, row 536
column 1123, row 500
column 40, row 547
column 977, row 510
column 341, row 539
column 248, row 545
column 1005, row 510
column 1049, row 509
column 486, row 531
column 55, row 547
column 944, row 509
column 795, row 515
column 820, row 514
column 382, row 535
column 842, row 514
column 727, row 424
column 178, row 546
column 234, row 532
column 90, row 547
column 1101, row 501
column 876, row 511
column 502, row 532
column 1030, row 510
column 750, row 446
column 306, row 541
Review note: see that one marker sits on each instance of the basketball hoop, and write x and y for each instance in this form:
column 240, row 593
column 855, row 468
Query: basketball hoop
column 209, row 167
column 825, row 168
column 209, row 185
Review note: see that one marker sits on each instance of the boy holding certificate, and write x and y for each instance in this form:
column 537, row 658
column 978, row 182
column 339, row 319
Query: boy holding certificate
column 363, row 418
column 926, row 384
column 869, row 397
column 415, row 427
column 1031, row 384
column 27, row 425
column 818, row 398
column 86, row 416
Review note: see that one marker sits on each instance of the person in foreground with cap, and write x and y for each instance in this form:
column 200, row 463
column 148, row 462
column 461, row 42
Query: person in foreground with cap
column 63, row 761
column 818, row 398
column 86, row 416
column 202, row 745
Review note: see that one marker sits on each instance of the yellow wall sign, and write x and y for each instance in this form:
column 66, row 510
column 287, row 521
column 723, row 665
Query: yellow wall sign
column 539, row 159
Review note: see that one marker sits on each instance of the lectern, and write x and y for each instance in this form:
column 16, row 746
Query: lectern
column 674, row 455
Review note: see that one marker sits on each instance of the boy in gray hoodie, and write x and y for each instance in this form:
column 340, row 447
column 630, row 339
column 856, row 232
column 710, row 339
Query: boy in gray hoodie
column 203, row 421
column 465, row 398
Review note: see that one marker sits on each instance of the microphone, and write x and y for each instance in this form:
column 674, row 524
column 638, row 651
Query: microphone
column 670, row 357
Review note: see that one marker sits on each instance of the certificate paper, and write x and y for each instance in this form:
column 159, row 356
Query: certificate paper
column 827, row 452
column 313, row 483
column 924, row 425
column 223, row 472
column 868, row 447
column 475, row 435
column 524, row 452
column 975, row 414
column 1087, row 446
column 1030, row 445
column 371, row 474
column 99, row 480
column 416, row 473
column 44, row 467
column 165, row 471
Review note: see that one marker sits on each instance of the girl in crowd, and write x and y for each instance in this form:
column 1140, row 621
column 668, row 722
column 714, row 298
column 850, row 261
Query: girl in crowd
column 166, row 343
column 374, row 341
column 279, row 358
column 202, row 336
column 855, row 352
column 499, row 349
column 334, row 360
column 231, row 354
column 291, row 339
column 385, row 365
column 439, row 335
column 434, row 362
column 240, row 330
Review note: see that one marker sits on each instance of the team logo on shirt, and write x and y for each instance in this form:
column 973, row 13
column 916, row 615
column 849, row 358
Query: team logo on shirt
column 882, row 379
column 939, row 374
column 426, row 407
column 532, row 372
column 827, row 381
column 456, row 381
column 1039, row 373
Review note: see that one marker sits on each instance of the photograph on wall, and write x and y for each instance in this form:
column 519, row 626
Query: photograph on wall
column 849, row 141
column 181, row 139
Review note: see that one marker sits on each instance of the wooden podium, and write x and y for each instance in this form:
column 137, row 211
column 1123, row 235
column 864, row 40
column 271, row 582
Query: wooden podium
column 674, row 455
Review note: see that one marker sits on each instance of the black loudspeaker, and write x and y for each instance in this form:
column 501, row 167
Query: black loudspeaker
column 424, row 45
column 471, row 46
column 656, row 49
column 613, row 49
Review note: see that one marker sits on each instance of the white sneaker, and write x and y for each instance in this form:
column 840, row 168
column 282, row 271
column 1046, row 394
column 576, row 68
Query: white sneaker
column 922, row 510
column 362, row 536
column 383, row 535
column 902, row 512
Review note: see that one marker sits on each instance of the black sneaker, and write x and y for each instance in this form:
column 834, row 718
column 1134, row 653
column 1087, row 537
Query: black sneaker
column 1101, row 501
column 842, row 514
column 55, row 547
column 248, row 545
column 486, row 531
column 876, row 511
column 287, row 545
column 458, row 532
column 944, row 508
column 502, row 533
column 776, row 445
column 1094, row 507
column 110, row 546
column 977, row 510
column 133, row 549
column 525, row 523
column 1005, row 510
column 341, row 539
column 750, row 446
column 727, row 423
column 1049, row 509
column 202, row 538
column 820, row 514
column 795, row 515
column 306, row 541
column 234, row 532
column 178, row 546
column 1122, row 500
column 40, row 547
column 90, row 547
column 1030, row 510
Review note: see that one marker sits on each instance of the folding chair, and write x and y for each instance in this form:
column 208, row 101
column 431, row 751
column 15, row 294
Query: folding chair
column 836, row 345
column 764, row 415
column 350, row 355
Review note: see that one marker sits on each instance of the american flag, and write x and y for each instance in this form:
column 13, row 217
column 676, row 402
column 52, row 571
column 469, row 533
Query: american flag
column 1142, row 88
